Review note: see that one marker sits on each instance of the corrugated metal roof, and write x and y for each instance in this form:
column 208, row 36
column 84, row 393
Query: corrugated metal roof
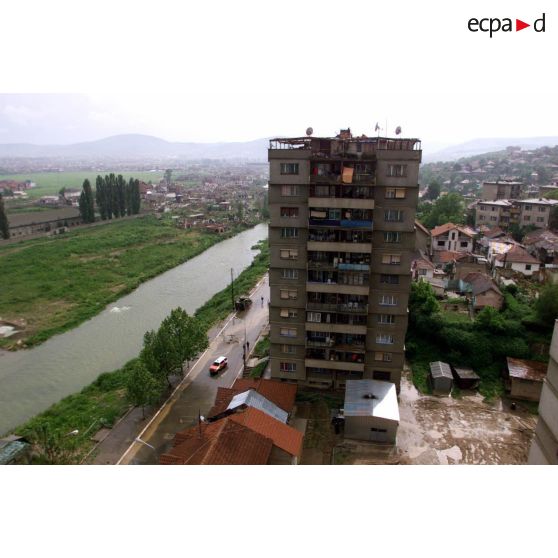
column 466, row 374
column 440, row 369
column 527, row 369
column 252, row 398
column 382, row 405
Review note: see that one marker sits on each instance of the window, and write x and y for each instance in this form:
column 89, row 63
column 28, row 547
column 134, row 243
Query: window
column 289, row 190
column 386, row 319
column 289, row 232
column 287, row 332
column 463, row 244
column 381, row 374
column 291, row 294
column 395, row 193
column 396, row 170
column 392, row 237
column 379, row 430
column 542, row 209
column 389, row 279
column 288, row 254
column 526, row 218
column 287, row 367
column 528, row 207
column 481, row 217
column 527, row 267
column 493, row 218
column 384, row 339
column 540, row 219
column 289, row 312
column 388, row 300
column 289, row 274
column 314, row 317
column 391, row 259
column 289, row 212
column 393, row 215
column 441, row 242
column 290, row 349
column 289, row 168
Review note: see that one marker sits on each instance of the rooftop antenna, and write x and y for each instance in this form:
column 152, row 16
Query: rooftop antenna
column 309, row 131
column 377, row 128
column 398, row 130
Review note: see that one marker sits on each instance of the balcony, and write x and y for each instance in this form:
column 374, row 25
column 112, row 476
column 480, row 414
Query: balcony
column 356, row 224
column 324, row 222
column 364, row 247
column 332, row 265
column 334, row 365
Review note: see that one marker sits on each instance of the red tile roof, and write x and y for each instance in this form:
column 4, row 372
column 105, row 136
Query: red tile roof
column 225, row 442
column 446, row 256
column 517, row 254
column 281, row 394
column 285, row 437
column 442, row 229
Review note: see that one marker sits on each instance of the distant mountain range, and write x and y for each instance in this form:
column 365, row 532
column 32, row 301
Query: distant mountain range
column 487, row 145
column 137, row 146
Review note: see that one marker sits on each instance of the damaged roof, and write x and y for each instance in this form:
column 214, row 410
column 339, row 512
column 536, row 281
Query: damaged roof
column 526, row 369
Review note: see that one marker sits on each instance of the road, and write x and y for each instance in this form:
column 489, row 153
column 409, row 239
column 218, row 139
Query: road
column 197, row 392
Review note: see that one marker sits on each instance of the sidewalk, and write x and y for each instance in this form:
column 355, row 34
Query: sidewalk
column 194, row 393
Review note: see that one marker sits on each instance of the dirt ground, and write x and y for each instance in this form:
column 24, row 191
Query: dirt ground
column 432, row 431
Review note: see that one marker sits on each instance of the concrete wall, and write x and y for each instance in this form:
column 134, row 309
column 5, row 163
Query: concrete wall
column 525, row 389
column 360, row 428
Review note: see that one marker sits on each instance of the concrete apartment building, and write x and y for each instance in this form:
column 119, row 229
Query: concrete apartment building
column 544, row 449
column 342, row 236
column 501, row 190
column 503, row 213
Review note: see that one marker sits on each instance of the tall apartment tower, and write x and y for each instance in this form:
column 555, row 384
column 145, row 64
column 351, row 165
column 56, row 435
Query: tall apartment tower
column 341, row 237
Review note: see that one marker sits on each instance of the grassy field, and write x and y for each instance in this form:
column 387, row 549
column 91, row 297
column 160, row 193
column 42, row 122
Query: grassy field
column 50, row 183
column 104, row 401
column 57, row 283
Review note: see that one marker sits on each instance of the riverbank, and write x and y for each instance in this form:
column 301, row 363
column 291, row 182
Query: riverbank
column 54, row 284
column 103, row 403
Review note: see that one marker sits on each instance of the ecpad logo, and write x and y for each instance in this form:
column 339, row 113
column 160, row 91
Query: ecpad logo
column 493, row 25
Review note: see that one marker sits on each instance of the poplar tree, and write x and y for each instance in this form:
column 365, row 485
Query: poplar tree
column 86, row 204
column 4, row 226
column 100, row 196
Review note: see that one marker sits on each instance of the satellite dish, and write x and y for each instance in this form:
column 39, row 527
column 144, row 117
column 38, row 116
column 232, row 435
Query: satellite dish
column 397, row 130
column 309, row 131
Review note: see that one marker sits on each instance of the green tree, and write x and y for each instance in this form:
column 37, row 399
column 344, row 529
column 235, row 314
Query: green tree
column 142, row 387
column 100, row 197
column 51, row 447
column 121, row 195
column 136, row 198
column 189, row 334
column 167, row 177
column 4, row 225
column 546, row 305
column 433, row 190
column 422, row 301
column 86, row 204
column 446, row 209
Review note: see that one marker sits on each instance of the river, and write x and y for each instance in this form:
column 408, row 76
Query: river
column 31, row 380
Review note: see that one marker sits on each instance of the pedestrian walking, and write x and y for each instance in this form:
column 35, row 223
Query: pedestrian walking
column 262, row 301
column 247, row 346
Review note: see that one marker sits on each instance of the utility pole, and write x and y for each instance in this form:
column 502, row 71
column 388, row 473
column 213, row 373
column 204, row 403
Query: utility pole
column 232, row 289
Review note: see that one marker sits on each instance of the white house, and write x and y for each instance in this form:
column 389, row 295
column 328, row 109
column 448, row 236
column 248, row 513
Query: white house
column 519, row 260
column 453, row 238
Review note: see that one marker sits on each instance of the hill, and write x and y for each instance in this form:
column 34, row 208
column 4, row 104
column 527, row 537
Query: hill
column 137, row 146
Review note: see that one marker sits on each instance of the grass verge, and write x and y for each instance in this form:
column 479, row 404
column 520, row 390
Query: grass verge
column 55, row 284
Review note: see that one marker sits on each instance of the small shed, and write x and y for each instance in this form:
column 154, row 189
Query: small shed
column 525, row 378
column 466, row 378
column 441, row 378
column 371, row 411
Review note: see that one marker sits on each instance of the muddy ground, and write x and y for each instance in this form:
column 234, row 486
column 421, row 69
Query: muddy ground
column 432, row 430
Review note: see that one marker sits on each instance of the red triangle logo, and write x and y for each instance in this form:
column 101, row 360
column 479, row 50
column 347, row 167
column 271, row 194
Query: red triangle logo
column 519, row 25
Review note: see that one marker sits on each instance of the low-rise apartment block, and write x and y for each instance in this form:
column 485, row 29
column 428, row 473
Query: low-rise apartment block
column 501, row 190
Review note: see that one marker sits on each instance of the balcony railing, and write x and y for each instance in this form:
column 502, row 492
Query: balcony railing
column 355, row 224
column 332, row 266
column 351, row 307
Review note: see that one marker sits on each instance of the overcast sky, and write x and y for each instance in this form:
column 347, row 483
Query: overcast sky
column 241, row 70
